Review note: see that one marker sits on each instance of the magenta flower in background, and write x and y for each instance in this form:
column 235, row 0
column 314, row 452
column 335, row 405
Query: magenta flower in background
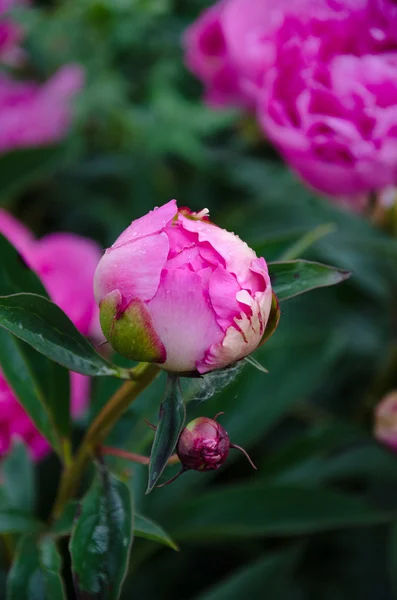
column 177, row 290
column 207, row 56
column 322, row 77
column 34, row 114
column 11, row 34
column 65, row 263
column 330, row 101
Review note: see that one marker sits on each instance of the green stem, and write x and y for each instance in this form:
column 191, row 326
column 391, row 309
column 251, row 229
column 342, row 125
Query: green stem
column 142, row 376
column 133, row 457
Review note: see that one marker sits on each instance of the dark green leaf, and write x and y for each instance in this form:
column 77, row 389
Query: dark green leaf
column 143, row 527
column 18, row 370
column 35, row 573
column 260, row 509
column 43, row 325
column 58, row 398
column 393, row 557
column 64, row 525
column 296, row 277
column 267, row 578
column 101, row 539
column 148, row 529
column 171, row 421
column 14, row 521
column 21, row 168
column 18, row 479
column 15, row 275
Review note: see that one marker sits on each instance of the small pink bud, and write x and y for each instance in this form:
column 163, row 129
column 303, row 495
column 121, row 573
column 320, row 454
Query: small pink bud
column 386, row 420
column 204, row 446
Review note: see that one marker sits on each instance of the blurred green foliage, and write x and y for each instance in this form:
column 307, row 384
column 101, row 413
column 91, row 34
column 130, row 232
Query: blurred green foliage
column 316, row 521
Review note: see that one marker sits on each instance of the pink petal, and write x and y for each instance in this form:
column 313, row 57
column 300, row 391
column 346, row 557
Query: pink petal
column 133, row 268
column 79, row 393
column 153, row 222
column 223, row 288
column 15, row 232
column 242, row 338
column 236, row 253
column 184, row 321
column 179, row 238
column 66, row 265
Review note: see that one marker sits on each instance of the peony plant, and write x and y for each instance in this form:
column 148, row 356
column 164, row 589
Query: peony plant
column 175, row 291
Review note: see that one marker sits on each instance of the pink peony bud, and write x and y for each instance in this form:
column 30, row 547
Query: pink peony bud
column 179, row 291
column 65, row 263
column 386, row 420
column 204, row 446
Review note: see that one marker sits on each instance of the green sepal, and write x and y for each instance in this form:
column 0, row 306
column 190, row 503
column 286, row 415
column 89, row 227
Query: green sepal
column 130, row 332
column 273, row 320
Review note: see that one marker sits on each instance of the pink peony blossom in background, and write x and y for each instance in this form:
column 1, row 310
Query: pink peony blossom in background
column 34, row 114
column 322, row 78
column 386, row 421
column 177, row 290
column 65, row 263
column 11, row 34
column 330, row 102
column 207, row 56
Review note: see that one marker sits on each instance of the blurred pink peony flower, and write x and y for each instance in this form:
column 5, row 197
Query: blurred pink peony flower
column 207, row 56
column 177, row 290
column 386, row 420
column 330, row 101
column 11, row 36
column 322, row 76
column 33, row 114
column 65, row 263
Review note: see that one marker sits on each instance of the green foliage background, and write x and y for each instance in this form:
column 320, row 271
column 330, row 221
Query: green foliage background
column 316, row 522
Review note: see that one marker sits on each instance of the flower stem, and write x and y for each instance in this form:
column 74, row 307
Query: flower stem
column 133, row 457
column 143, row 375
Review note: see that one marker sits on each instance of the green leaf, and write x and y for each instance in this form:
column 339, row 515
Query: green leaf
column 143, row 527
column 271, row 510
column 64, row 524
column 21, row 168
column 44, row 326
column 14, row 521
column 101, row 539
column 18, row 479
column 296, row 277
column 148, row 529
column 393, row 557
column 267, row 577
column 15, row 275
column 171, row 421
column 307, row 240
column 35, row 573
column 58, row 398
column 19, row 372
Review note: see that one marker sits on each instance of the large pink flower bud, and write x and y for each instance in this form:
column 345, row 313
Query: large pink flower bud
column 179, row 291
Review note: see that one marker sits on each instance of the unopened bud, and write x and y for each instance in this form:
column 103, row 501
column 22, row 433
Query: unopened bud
column 204, row 446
